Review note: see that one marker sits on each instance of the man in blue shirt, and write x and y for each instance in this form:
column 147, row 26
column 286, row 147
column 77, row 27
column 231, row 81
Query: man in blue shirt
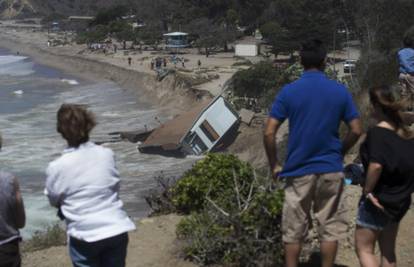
column 406, row 61
column 315, row 107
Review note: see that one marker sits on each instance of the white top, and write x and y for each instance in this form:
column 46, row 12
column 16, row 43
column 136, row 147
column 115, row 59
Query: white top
column 84, row 182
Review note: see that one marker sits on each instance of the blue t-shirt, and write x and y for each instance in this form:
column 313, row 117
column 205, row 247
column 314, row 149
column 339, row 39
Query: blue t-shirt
column 315, row 107
column 406, row 60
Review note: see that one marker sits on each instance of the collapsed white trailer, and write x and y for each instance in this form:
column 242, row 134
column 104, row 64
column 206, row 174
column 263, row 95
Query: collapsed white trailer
column 210, row 127
column 203, row 128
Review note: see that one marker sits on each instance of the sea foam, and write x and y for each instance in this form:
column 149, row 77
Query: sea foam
column 16, row 66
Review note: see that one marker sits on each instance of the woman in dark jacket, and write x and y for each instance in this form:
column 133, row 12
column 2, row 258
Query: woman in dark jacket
column 387, row 154
column 12, row 218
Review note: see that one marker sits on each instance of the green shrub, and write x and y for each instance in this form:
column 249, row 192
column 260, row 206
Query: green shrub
column 204, row 238
column 53, row 236
column 262, row 82
column 240, row 235
column 255, row 81
column 235, row 215
column 160, row 198
column 97, row 34
column 213, row 177
column 106, row 16
column 242, row 63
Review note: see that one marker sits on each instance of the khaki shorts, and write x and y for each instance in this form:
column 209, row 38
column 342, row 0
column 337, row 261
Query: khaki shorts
column 324, row 194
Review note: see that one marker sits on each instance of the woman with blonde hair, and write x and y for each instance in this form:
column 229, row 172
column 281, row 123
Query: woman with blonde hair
column 387, row 155
column 83, row 184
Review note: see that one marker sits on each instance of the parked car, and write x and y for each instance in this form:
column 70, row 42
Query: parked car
column 350, row 66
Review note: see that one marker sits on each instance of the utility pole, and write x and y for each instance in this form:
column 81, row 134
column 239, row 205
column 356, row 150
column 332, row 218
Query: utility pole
column 334, row 50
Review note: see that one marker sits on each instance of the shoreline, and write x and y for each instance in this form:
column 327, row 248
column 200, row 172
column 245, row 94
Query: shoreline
column 160, row 94
column 144, row 86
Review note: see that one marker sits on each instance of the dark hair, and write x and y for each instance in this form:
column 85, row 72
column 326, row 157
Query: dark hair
column 313, row 54
column 408, row 40
column 74, row 123
column 383, row 98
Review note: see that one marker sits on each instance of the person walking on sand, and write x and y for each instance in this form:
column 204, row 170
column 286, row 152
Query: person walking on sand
column 84, row 184
column 12, row 218
column 387, row 154
column 129, row 61
column 406, row 61
column 315, row 107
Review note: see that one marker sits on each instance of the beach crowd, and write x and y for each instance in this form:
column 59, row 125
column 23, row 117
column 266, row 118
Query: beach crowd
column 83, row 183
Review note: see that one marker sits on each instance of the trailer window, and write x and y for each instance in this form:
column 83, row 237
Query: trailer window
column 209, row 131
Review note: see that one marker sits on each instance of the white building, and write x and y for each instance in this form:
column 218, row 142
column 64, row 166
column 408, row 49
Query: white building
column 246, row 50
column 248, row 47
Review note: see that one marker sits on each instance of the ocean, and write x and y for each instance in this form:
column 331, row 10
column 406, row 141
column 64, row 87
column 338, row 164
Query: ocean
column 30, row 95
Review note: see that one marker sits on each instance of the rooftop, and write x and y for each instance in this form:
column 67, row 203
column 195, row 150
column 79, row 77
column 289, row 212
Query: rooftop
column 176, row 34
column 170, row 134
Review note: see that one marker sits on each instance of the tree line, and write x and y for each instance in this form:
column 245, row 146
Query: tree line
column 378, row 24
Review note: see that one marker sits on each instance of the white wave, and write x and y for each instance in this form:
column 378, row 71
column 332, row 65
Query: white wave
column 111, row 114
column 5, row 60
column 18, row 92
column 15, row 66
column 70, row 82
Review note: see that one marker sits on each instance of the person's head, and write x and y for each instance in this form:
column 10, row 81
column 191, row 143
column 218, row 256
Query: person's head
column 408, row 41
column 387, row 107
column 74, row 123
column 313, row 55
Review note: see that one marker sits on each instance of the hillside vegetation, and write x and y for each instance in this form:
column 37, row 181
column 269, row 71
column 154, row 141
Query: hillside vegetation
column 28, row 8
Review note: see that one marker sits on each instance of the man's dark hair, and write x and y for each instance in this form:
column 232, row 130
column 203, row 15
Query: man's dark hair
column 313, row 54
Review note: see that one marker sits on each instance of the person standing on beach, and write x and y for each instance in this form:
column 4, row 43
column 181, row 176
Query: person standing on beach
column 315, row 107
column 406, row 61
column 12, row 218
column 129, row 61
column 83, row 184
